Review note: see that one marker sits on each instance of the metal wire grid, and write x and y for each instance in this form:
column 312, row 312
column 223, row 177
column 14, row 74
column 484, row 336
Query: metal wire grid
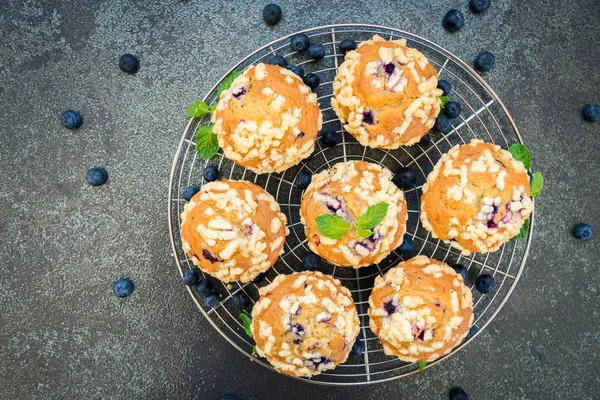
column 484, row 117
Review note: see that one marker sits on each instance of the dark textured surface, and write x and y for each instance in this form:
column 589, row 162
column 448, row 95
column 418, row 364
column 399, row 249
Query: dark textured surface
column 63, row 335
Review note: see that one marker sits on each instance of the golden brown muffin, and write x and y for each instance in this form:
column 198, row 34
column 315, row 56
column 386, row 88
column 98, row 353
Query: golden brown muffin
column 347, row 190
column 476, row 198
column 386, row 94
column 233, row 230
column 420, row 309
column 304, row 323
column 267, row 120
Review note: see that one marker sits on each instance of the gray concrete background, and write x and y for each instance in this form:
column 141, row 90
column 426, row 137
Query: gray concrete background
column 63, row 335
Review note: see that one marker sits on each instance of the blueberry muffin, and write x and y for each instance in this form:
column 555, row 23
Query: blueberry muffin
column 385, row 94
column 304, row 323
column 420, row 310
column 346, row 191
column 267, row 120
column 476, row 198
column 233, row 230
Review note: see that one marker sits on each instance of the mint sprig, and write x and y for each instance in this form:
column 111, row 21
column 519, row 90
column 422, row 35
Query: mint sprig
column 332, row 226
column 374, row 215
column 335, row 227
column 363, row 232
column 197, row 110
column 207, row 144
column 227, row 82
column 523, row 232
column 521, row 153
column 246, row 322
column 443, row 101
column 537, row 183
column 422, row 365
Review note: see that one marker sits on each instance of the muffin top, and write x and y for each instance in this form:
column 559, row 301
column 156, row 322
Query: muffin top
column 386, row 94
column 420, row 309
column 346, row 191
column 304, row 323
column 476, row 198
column 233, row 230
column 267, row 120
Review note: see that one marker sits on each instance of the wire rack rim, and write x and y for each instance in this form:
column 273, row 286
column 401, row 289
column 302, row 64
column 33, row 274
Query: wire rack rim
column 332, row 27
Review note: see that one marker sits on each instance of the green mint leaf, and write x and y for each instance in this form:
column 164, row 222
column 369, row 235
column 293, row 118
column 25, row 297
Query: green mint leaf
column 199, row 109
column 363, row 232
column 373, row 216
column 207, row 144
column 523, row 232
column 212, row 108
column 332, row 226
column 254, row 352
column 443, row 101
column 537, row 183
column 422, row 365
column 246, row 322
column 227, row 82
column 521, row 153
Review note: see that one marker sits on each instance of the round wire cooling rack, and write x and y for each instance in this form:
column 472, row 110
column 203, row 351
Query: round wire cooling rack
column 484, row 117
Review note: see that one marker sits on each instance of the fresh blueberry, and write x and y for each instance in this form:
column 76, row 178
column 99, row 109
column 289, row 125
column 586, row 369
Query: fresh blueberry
column 484, row 61
column 312, row 81
column 453, row 20
column 123, row 287
column 443, row 124
column 583, row 231
column 211, row 173
column 479, row 6
column 311, row 261
column 405, row 178
column 331, row 138
column 452, row 109
column 129, row 63
column 278, row 60
column 300, row 42
column 240, row 300
column 298, row 70
column 189, row 192
column 227, row 397
column 212, row 300
column 425, row 141
column 358, row 348
column 96, row 176
column 347, row 45
column 204, row 287
column 71, row 119
column 191, row 276
column 485, row 283
column 457, row 393
column 445, row 86
column 272, row 14
column 303, row 180
column 461, row 270
column 316, row 51
column 591, row 113
column 407, row 246
column 472, row 330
